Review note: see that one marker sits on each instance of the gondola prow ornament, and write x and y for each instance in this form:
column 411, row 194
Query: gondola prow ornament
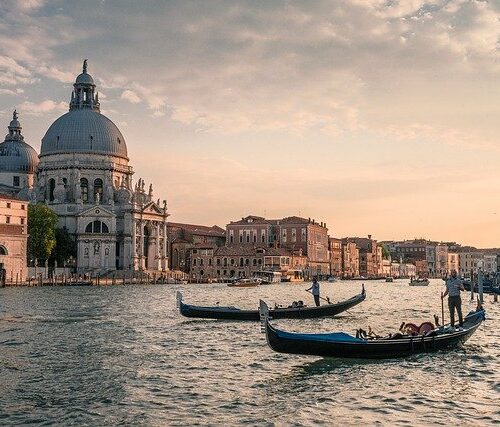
column 264, row 315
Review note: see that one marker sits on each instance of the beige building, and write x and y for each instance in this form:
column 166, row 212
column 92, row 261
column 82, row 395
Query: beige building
column 350, row 259
column 453, row 262
column 13, row 238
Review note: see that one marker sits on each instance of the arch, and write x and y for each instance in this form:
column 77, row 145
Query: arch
column 52, row 186
column 84, row 187
column 98, row 188
column 97, row 227
column 3, row 250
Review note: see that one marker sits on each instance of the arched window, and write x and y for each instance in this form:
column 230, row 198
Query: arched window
column 52, row 186
column 146, row 241
column 96, row 227
column 84, row 187
column 3, row 250
column 98, row 189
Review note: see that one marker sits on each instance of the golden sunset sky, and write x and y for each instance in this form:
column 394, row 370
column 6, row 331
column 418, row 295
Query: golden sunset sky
column 378, row 117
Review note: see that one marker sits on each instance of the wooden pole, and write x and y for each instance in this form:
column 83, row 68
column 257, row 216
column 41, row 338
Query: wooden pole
column 471, row 284
column 442, row 308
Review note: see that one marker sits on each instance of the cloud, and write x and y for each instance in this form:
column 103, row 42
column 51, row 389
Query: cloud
column 41, row 108
column 130, row 96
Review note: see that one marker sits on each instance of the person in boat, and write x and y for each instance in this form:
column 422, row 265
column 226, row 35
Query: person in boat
column 314, row 289
column 453, row 287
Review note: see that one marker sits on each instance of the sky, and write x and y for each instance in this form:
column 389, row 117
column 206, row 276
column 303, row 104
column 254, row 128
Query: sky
column 377, row 117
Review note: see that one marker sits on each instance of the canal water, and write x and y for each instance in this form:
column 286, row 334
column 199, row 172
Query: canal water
column 123, row 355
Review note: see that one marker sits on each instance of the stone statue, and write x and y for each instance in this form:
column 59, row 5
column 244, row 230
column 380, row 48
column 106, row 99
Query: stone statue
column 150, row 192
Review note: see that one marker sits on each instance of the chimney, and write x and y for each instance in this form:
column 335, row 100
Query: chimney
column 370, row 236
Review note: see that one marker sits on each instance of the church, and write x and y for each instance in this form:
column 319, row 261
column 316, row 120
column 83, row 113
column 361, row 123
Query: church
column 84, row 175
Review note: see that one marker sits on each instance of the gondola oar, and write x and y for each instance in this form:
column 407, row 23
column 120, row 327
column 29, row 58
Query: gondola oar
column 327, row 299
column 442, row 308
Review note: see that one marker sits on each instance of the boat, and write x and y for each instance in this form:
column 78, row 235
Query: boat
column 341, row 344
column 293, row 275
column 244, row 283
column 332, row 279
column 422, row 281
column 267, row 277
column 296, row 311
column 389, row 279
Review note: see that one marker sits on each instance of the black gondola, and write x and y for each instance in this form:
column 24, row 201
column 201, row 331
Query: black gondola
column 234, row 313
column 340, row 344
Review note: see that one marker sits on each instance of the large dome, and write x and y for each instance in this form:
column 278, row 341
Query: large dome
column 84, row 131
column 15, row 154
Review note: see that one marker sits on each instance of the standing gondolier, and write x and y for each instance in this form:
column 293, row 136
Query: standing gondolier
column 453, row 287
column 314, row 289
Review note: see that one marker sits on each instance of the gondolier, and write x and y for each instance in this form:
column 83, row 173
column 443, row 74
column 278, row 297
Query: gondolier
column 314, row 289
column 453, row 287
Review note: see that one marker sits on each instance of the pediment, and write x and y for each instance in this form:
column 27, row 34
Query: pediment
column 96, row 211
column 153, row 208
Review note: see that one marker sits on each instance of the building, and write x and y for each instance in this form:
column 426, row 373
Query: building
column 293, row 233
column 335, row 246
column 441, row 268
column 350, row 259
column 208, row 262
column 489, row 263
column 370, row 256
column 469, row 261
column 13, row 239
column 84, row 175
column 453, row 262
column 183, row 238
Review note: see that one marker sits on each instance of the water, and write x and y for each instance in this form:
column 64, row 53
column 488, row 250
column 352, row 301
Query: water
column 123, row 355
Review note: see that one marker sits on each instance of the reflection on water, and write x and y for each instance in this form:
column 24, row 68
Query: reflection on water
column 123, row 355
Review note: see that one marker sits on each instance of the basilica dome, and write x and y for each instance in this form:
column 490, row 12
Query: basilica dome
column 84, row 129
column 15, row 154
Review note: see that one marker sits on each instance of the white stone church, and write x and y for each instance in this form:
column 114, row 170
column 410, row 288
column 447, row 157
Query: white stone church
column 83, row 174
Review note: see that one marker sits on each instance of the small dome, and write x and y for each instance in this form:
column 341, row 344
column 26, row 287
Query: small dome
column 15, row 154
column 84, row 131
column 84, row 78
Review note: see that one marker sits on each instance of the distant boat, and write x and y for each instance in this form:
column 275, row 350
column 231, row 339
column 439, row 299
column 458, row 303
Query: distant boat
column 244, row 283
column 332, row 279
column 389, row 279
column 419, row 282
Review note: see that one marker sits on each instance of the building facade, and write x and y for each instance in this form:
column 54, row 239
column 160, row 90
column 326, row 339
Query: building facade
column 84, row 175
column 13, row 239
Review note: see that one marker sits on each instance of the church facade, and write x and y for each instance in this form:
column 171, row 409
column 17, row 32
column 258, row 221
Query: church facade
column 83, row 174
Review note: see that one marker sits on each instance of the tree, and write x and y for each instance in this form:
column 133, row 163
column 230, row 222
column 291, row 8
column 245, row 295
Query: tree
column 42, row 223
column 385, row 252
column 65, row 247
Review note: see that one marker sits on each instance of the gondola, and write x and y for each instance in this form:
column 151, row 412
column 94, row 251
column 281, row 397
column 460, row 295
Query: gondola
column 234, row 313
column 340, row 344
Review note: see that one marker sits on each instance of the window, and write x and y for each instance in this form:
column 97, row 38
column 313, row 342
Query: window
column 218, row 261
column 7, row 220
column 241, row 262
column 241, row 236
column 225, row 262
column 3, row 250
column 16, row 181
column 84, row 188
column 194, row 261
column 98, row 189
column 52, row 186
column 254, row 262
column 22, row 221
column 8, row 205
column 22, row 207
column 201, row 261
column 263, row 236
column 247, row 261
column 96, row 227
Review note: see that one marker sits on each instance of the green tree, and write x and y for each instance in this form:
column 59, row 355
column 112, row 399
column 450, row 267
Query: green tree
column 65, row 246
column 385, row 252
column 42, row 223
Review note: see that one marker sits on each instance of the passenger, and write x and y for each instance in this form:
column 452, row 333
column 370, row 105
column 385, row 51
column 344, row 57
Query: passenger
column 453, row 287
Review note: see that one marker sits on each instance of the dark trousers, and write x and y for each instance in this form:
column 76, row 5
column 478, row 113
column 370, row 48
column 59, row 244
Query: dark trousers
column 316, row 300
column 455, row 303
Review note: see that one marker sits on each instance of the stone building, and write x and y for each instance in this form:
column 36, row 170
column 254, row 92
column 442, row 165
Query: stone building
column 441, row 269
column 453, row 262
column 335, row 246
column 350, row 259
column 370, row 256
column 208, row 262
column 84, row 175
column 184, row 237
column 292, row 233
column 13, row 238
